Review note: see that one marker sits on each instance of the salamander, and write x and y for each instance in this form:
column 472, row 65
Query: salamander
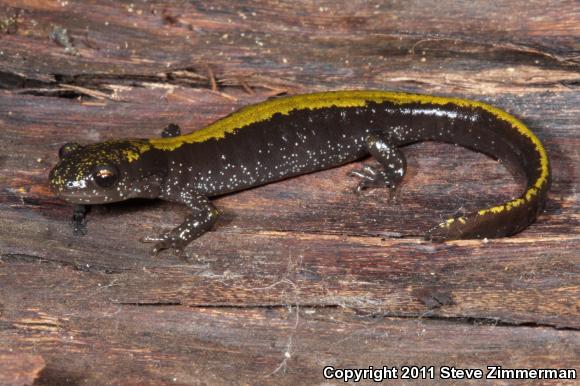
column 288, row 136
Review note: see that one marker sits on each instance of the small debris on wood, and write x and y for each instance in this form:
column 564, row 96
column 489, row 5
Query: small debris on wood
column 60, row 36
column 434, row 298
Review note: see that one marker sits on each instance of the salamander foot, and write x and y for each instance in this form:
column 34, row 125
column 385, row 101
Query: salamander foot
column 164, row 242
column 372, row 178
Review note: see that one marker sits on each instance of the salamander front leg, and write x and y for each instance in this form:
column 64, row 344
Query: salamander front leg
column 79, row 220
column 200, row 221
column 392, row 160
column 172, row 130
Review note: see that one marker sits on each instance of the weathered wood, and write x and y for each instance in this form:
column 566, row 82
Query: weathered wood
column 301, row 273
column 282, row 345
column 19, row 369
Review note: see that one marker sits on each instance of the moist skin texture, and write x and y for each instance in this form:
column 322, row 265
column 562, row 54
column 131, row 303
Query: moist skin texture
column 289, row 136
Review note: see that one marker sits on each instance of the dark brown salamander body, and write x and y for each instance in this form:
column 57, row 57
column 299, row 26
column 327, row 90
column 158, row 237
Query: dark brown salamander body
column 290, row 136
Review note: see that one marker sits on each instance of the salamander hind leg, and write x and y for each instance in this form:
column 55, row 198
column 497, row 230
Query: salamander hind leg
column 392, row 160
column 200, row 221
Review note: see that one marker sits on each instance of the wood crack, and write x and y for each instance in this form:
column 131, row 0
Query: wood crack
column 467, row 320
column 99, row 86
column 20, row 257
column 479, row 320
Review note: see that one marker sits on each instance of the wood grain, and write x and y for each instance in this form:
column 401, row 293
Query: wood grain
column 19, row 369
column 299, row 274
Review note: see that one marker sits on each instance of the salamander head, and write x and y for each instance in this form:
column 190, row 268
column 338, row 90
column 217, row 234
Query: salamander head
column 98, row 173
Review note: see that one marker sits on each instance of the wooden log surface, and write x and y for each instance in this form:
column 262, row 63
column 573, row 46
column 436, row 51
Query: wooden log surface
column 19, row 369
column 302, row 273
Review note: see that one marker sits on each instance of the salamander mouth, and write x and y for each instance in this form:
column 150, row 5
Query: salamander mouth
column 79, row 191
column 75, row 197
column 71, row 192
column 83, row 198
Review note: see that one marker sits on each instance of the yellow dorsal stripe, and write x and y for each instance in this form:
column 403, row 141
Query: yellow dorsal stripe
column 265, row 110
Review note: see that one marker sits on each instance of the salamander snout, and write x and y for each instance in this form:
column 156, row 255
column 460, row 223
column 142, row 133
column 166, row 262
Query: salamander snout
column 92, row 174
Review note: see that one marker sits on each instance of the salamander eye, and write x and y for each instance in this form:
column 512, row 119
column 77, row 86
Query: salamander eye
column 105, row 175
column 67, row 149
